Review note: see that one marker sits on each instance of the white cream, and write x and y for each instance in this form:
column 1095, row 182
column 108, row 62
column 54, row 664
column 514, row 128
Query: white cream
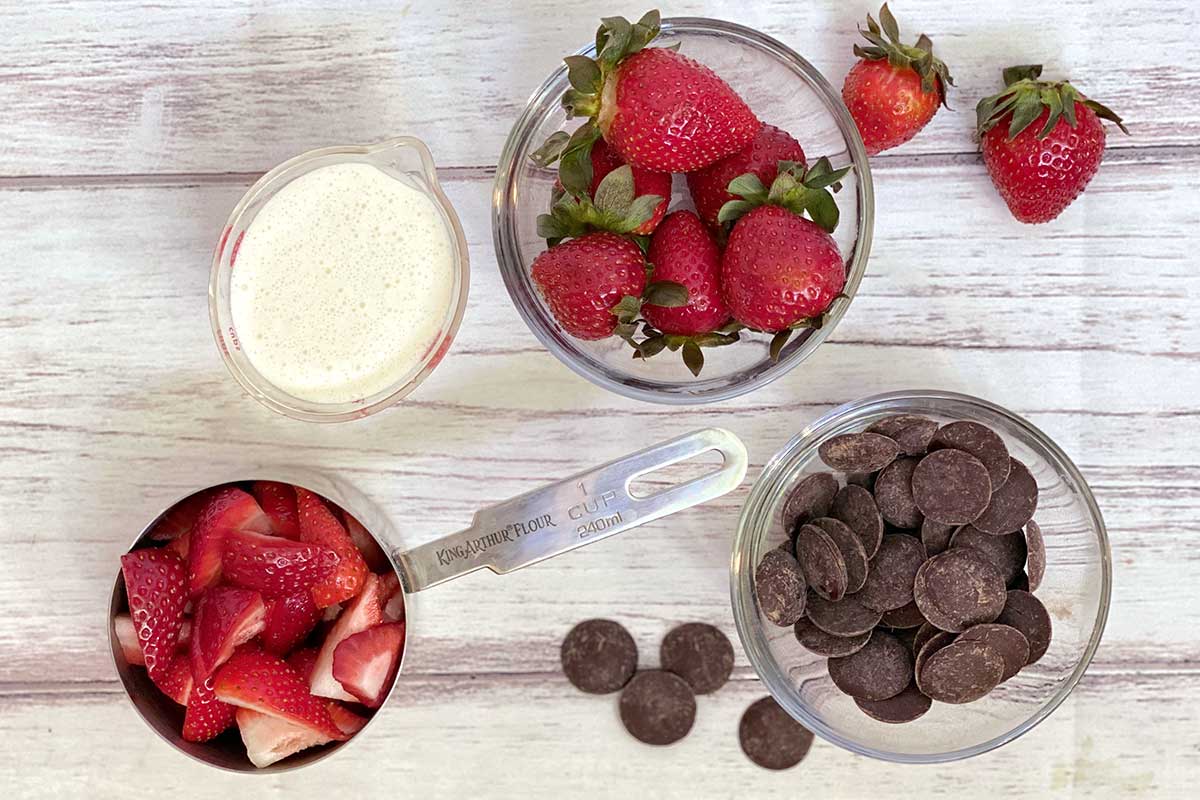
column 342, row 283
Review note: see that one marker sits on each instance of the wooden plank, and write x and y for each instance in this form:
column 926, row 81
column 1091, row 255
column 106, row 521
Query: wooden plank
column 218, row 87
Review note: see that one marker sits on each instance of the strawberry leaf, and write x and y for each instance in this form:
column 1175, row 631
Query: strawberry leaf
column 615, row 195
column 667, row 294
column 731, row 327
column 1026, row 110
column 778, row 341
column 822, row 208
column 1022, row 72
column 734, row 210
column 890, row 26
column 693, row 358
column 1104, row 112
column 748, row 186
column 1052, row 99
column 650, row 347
column 716, row 339
column 551, row 149
column 639, row 212
column 616, row 44
column 583, row 73
column 627, row 310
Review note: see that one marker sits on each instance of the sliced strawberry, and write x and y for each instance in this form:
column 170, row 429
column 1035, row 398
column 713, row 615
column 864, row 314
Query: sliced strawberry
column 393, row 597
column 228, row 509
column 289, row 621
column 176, row 680
column 366, row 663
column 319, row 526
column 179, row 518
column 226, row 618
column 154, row 582
column 206, row 716
column 270, row 739
column 185, row 635
column 363, row 612
column 275, row 566
column 278, row 501
column 372, row 553
column 349, row 722
column 302, row 661
column 180, row 546
column 261, row 682
column 128, row 640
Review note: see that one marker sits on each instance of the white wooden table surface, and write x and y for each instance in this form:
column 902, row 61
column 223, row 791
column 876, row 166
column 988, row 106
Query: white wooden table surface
column 129, row 129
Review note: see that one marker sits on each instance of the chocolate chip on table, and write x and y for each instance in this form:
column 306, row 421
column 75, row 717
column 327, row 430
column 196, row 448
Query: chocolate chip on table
column 891, row 426
column 1012, row 505
column 961, row 672
column 780, row 587
column 847, row 617
column 599, row 656
column 959, row 588
column 855, row 506
column 770, row 737
column 894, row 494
column 1035, row 546
column 812, row 497
column 907, row 616
column 1006, row 553
column 821, row 562
column 698, row 653
column 825, row 644
column 951, row 486
column 914, row 439
column 936, row 536
column 882, row 669
column 890, row 582
column 1026, row 613
column 978, row 440
column 1006, row 640
column 858, row 452
column 905, row 707
column 851, row 547
column 658, row 707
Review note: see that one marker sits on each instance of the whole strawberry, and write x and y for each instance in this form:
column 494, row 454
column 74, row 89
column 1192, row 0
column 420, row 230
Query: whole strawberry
column 583, row 280
column 1042, row 142
column 709, row 186
column 894, row 89
column 645, row 182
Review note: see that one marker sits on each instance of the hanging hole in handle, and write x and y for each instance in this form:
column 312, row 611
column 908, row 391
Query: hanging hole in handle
column 686, row 470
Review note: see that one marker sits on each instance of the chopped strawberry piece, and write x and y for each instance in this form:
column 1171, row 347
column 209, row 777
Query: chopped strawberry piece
column 185, row 635
column 226, row 618
column 154, row 584
column 374, row 556
column 349, row 722
column 229, row 509
column 176, row 680
column 261, row 682
column 363, row 612
column 181, row 545
column 289, row 622
column 270, row 739
column 366, row 663
column 275, row 566
column 278, row 500
column 393, row 597
column 319, row 526
column 206, row 716
column 302, row 661
column 180, row 518
column 128, row 640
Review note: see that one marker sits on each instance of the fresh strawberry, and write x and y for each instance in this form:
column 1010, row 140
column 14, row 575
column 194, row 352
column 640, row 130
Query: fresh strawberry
column 894, row 89
column 366, row 663
column 275, row 566
column 278, row 501
column 289, row 621
column 709, row 187
column 269, row 739
column 1042, row 142
column 226, row 618
column 206, row 716
column 346, row 720
column 155, row 583
column 127, row 639
column 302, row 661
column 319, row 526
column 262, row 682
column 584, row 279
column 363, row 612
column 227, row 510
column 658, row 109
column 393, row 597
column 372, row 553
column 180, row 518
column 175, row 681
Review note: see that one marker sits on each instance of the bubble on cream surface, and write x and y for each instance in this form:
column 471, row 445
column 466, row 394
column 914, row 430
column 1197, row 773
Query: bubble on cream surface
column 342, row 283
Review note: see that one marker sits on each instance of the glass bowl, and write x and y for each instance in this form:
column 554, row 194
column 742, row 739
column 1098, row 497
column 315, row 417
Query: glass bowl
column 1075, row 590
column 405, row 159
column 784, row 90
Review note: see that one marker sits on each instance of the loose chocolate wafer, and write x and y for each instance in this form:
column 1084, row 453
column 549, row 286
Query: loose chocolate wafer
column 1006, row 553
column 882, row 669
column 855, row 506
column 770, row 737
column 958, row 589
column 951, row 486
column 961, row 672
column 825, row 644
column 894, row 496
column 1012, row 505
column 981, row 442
column 890, row 582
column 779, row 584
column 914, row 439
column 936, row 536
column 698, row 653
column 853, row 553
column 904, row 707
column 812, row 497
column 858, row 452
column 821, row 562
column 891, row 426
column 1026, row 613
column 599, row 656
column 658, row 707
column 1006, row 640
column 1035, row 546
column 847, row 617
column 907, row 616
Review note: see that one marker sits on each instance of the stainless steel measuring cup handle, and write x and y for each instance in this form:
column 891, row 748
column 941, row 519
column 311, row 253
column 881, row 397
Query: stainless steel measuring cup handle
column 579, row 510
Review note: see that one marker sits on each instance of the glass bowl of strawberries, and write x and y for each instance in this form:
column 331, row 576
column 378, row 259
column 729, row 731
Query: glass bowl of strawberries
column 683, row 211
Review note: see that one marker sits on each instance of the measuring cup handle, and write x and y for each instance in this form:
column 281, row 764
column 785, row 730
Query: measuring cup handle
column 579, row 510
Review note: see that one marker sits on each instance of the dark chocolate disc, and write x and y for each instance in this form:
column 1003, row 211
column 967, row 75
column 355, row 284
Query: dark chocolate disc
column 779, row 585
column 961, row 672
column 958, row 589
column 812, row 497
column 855, row 506
column 890, row 582
column 924, row 634
column 821, row 562
column 914, row 439
column 930, row 646
column 904, row 707
column 1035, row 546
column 907, row 616
column 825, row 644
column 936, row 536
column 1012, row 505
column 1026, row 613
column 1006, row 553
column 1006, row 640
column 858, row 452
column 599, row 656
column 658, row 707
column 894, row 496
column 698, row 653
column 851, row 547
column 882, row 669
column 891, row 426
column 978, row 440
column 951, row 486
column 1020, row 582
column 846, row 617
column 770, row 737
